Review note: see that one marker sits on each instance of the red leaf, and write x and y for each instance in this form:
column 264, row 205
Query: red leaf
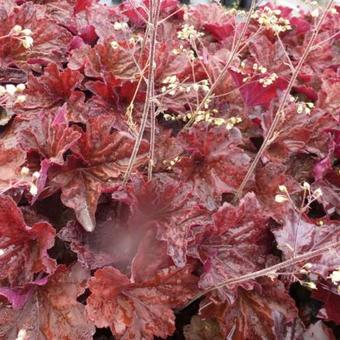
column 82, row 5
column 180, row 217
column 215, row 163
column 259, row 314
column 236, row 245
column 297, row 235
column 138, row 310
column 102, row 61
column 50, row 41
column 219, row 31
column 103, row 157
column 52, row 88
column 23, row 248
column 52, row 312
column 331, row 303
column 254, row 93
column 48, row 137
column 11, row 161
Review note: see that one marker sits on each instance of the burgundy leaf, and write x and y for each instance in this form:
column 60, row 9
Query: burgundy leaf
column 176, row 212
column 257, row 314
column 52, row 312
column 214, row 163
column 254, row 93
column 52, row 88
column 236, row 245
column 102, row 159
column 139, row 310
column 50, row 41
column 23, row 249
column 11, row 160
column 331, row 303
column 298, row 235
column 48, row 137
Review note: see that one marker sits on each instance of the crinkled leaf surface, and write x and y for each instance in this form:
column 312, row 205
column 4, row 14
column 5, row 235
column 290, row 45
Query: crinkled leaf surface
column 102, row 157
column 23, row 248
column 139, row 310
column 299, row 236
column 236, row 245
column 53, row 311
column 257, row 314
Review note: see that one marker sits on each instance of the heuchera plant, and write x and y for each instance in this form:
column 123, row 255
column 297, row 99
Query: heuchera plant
column 169, row 171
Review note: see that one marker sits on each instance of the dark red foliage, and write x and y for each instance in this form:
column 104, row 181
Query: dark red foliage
column 23, row 248
column 52, row 311
column 87, row 252
column 235, row 245
column 143, row 309
column 263, row 313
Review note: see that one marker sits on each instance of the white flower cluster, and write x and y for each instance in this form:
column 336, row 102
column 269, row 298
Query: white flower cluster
column 135, row 39
column 259, row 68
column 171, row 163
column 120, row 26
column 114, row 44
column 335, row 278
column 188, row 32
column 270, row 19
column 189, row 52
column 206, row 116
column 268, row 80
column 24, row 172
column 12, row 90
column 310, row 194
column 172, row 85
column 303, row 107
column 25, row 35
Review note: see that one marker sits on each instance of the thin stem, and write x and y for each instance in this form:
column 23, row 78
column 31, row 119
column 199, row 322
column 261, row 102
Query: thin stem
column 226, row 66
column 152, row 104
column 282, row 104
column 267, row 271
column 152, row 29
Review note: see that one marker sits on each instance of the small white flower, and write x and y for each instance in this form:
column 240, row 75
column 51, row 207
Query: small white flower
column 27, row 42
column 21, row 334
column 27, row 32
column 2, row 90
column 310, row 285
column 120, row 26
column 21, row 87
column 335, row 277
column 24, row 171
column 2, row 252
column 21, row 99
column 33, row 189
column 17, row 29
column 280, row 198
column 114, row 44
column 315, row 13
column 11, row 89
column 283, row 188
column 306, row 186
column 300, row 108
column 317, row 193
column 36, row 175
